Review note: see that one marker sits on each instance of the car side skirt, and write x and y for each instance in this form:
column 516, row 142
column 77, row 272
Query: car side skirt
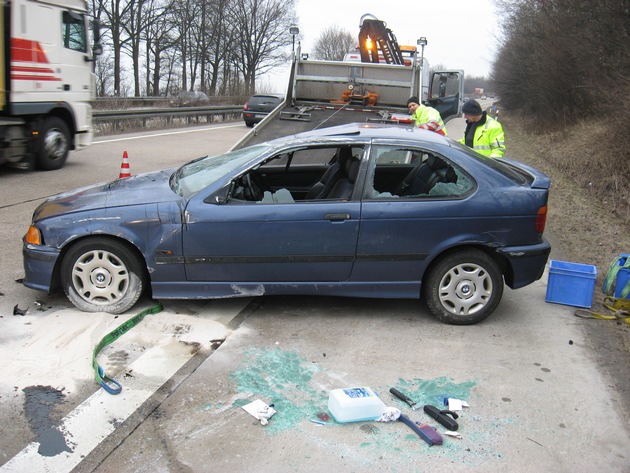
column 218, row 290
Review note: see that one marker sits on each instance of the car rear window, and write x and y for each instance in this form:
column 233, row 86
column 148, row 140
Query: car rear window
column 503, row 168
column 258, row 99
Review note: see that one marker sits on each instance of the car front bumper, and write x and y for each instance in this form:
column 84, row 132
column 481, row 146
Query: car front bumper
column 39, row 266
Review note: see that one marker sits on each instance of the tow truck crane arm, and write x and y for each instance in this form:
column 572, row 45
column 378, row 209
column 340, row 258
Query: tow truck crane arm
column 374, row 36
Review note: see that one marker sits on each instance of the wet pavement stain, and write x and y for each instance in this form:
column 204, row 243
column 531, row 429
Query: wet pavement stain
column 39, row 406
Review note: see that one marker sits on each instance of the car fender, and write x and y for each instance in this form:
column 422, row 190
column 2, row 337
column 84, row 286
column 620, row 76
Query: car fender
column 483, row 242
column 154, row 231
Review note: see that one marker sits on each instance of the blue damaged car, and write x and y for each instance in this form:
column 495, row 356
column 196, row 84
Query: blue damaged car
column 361, row 210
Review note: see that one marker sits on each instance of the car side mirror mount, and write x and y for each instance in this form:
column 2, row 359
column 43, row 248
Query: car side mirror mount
column 219, row 197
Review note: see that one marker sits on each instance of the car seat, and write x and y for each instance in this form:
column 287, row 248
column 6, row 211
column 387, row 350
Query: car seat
column 427, row 174
column 342, row 190
column 334, row 173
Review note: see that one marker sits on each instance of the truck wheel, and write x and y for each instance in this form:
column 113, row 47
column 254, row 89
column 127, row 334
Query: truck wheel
column 464, row 287
column 101, row 275
column 53, row 144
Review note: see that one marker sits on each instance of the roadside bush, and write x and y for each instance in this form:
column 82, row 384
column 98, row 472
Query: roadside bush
column 562, row 60
column 564, row 70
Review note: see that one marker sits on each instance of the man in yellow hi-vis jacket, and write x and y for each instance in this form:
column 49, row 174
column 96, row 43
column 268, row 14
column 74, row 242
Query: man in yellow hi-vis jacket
column 425, row 117
column 483, row 133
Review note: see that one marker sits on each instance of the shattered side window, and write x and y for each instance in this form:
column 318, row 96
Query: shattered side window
column 399, row 172
column 453, row 189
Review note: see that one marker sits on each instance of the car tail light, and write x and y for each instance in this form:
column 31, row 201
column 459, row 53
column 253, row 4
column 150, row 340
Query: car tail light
column 245, row 106
column 541, row 219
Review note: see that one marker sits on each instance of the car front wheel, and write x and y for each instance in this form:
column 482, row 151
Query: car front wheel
column 464, row 287
column 102, row 275
column 53, row 144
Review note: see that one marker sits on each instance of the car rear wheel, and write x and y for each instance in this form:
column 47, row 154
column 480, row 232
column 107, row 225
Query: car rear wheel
column 102, row 275
column 464, row 287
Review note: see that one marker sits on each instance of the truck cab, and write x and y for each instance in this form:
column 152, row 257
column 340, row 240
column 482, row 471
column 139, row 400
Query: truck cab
column 47, row 82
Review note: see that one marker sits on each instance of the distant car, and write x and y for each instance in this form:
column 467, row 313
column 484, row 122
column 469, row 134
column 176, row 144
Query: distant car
column 190, row 98
column 259, row 106
column 357, row 210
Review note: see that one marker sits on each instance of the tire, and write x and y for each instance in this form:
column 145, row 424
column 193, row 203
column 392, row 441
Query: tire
column 53, row 144
column 102, row 275
column 464, row 287
column 249, row 124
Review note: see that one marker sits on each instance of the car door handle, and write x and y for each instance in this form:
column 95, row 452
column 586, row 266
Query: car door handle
column 337, row 217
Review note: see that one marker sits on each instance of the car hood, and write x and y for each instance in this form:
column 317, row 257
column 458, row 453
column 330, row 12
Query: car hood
column 141, row 189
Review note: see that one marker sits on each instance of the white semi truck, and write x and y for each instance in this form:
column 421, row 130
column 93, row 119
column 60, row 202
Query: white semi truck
column 46, row 81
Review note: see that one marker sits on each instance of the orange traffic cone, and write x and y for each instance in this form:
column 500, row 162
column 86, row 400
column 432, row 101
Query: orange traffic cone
column 124, row 167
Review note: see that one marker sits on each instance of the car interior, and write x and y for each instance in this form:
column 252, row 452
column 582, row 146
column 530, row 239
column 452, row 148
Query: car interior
column 330, row 173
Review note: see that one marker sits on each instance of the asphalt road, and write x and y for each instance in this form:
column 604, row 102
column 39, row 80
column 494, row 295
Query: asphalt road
column 539, row 399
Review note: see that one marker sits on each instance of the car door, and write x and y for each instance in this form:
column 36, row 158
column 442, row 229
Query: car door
column 399, row 230
column 246, row 241
column 446, row 92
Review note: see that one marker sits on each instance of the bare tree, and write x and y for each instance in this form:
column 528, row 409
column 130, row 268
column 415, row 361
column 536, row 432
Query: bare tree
column 111, row 13
column 217, row 45
column 158, row 40
column 185, row 13
column 134, row 23
column 104, row 72
column 261, row 29
column 219, row 37
column 333, row 43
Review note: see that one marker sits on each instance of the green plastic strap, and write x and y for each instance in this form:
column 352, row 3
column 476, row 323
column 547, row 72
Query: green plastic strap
column 108, row 383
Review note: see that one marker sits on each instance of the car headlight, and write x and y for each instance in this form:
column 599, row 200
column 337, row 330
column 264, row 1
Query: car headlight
column 33, row 236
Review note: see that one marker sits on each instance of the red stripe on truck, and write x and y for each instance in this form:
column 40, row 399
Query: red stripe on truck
column 25, row 50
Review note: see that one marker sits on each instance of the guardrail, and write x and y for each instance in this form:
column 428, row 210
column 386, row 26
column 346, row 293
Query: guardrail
column 132, row 101
column 145, row 114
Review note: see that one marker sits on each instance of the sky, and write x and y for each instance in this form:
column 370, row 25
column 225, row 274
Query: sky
column 461, row 34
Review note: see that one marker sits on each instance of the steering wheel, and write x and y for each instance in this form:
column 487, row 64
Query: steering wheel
column 253, row 185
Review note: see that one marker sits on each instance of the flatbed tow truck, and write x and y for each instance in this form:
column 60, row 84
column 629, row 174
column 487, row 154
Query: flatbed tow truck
column 329, row 93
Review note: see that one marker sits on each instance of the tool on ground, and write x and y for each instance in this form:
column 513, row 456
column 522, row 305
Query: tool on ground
column 404, row 398
column 442, row 416
column 108, row 383
column 424, row 431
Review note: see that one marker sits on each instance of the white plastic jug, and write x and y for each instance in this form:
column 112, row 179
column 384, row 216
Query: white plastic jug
column 355, row 404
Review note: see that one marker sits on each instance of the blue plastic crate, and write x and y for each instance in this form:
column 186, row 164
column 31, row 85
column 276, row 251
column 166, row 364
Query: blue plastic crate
column 571, row 283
